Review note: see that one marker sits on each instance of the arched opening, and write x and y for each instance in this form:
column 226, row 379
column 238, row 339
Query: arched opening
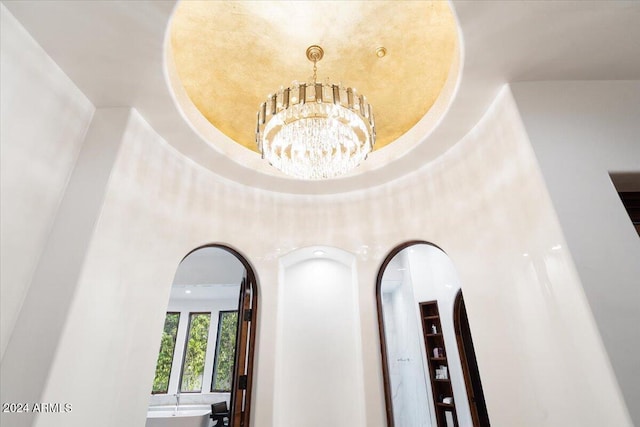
column 424, row 384
column 205, row 361
column 319, row 379
column 470, row 370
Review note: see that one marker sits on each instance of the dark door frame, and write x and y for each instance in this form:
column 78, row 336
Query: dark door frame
column 383, row 342
column 472, row 382
column 241, row 385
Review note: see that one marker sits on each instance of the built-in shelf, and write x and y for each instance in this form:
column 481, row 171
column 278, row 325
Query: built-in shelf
column 437, row 359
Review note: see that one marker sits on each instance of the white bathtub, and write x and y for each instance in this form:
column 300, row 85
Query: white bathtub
column 180, row 418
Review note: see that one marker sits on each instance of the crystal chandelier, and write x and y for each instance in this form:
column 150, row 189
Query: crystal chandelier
column 315, row 130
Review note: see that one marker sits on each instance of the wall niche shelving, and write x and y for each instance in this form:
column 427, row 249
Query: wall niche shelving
column 442, row 391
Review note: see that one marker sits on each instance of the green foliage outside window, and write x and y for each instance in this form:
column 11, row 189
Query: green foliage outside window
column 225, row 351
column 193, row 367
column 165, row 357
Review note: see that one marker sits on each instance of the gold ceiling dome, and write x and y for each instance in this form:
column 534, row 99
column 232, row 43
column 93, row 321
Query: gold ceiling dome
column 229, row 55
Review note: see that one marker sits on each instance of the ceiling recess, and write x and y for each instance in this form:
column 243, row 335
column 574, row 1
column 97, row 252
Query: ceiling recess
column 229, row 55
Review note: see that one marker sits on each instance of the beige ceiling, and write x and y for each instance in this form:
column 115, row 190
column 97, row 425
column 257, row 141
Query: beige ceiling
column 230, row 55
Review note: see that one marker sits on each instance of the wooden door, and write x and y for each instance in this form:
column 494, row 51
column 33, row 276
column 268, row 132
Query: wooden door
column 479, row 414
column 242, row 378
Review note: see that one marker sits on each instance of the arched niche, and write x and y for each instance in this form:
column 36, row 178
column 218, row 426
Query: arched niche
column 416, row 289
column 215, row 290
column 319, row 377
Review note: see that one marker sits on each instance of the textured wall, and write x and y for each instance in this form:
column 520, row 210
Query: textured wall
column 484, row 203
column 44, row 119
column 92, row 318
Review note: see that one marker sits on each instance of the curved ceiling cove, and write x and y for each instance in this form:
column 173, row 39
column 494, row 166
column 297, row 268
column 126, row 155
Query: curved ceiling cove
column 497, row 43
column 229, row 55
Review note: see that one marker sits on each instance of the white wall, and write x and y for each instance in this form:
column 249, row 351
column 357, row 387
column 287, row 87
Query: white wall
column 484, row 201
column 44, row 120
column 40, row 325
column 581, row 132
column 319, row 354
column 159, row 206
column 110, row 338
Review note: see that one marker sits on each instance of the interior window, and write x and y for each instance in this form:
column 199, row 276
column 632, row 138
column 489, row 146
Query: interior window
column 165, row 356
column 195, row 352
column 205, row 357
column 225, row 351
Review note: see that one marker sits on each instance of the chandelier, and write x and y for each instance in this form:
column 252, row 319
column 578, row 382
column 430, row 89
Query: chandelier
column 315, row 130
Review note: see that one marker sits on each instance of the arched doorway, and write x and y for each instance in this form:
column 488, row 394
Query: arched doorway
column 207, row 350
column 417, row 285
column 470, row 370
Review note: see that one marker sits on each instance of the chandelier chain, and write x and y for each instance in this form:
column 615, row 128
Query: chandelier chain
column 315, row 70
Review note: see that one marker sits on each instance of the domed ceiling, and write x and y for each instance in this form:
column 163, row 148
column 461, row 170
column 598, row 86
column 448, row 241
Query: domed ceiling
column 229, row 55
column 120, row 54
